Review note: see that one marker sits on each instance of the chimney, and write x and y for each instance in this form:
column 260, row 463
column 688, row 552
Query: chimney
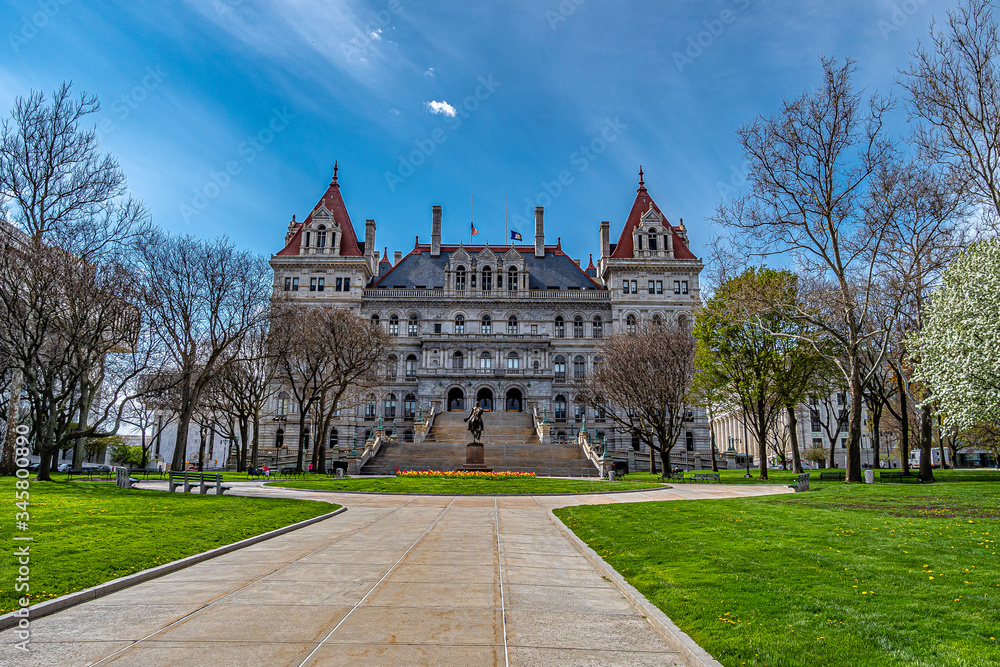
column 539, row 232
column 436, row 231
column 397, row 257
column 605, row 239
column 369, row 238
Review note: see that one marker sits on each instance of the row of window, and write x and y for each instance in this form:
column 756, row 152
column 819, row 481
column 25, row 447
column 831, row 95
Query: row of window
column 486, row 326
column 653, row 286
column 318, row 284
column 486, row 283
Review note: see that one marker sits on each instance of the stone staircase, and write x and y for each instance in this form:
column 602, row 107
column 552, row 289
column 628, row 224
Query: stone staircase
column 511, row 445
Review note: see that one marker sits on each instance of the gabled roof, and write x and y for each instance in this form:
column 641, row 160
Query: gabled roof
column 643, row 203
column 333, row 201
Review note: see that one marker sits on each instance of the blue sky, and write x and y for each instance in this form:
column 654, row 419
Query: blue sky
column 227, row 115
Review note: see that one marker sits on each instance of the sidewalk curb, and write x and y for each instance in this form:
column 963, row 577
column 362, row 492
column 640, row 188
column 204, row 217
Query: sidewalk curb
column 693, row 654
column 37, row 611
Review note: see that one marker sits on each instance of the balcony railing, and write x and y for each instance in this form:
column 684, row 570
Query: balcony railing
column 565, row 295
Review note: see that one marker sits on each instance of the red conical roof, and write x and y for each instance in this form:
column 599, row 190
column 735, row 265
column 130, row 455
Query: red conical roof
column 334, row 202
column 643, row 202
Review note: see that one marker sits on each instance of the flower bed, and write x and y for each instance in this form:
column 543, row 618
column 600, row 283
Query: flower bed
column 463, row 474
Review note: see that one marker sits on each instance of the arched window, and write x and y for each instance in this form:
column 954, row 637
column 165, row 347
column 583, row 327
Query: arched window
column 560, row 407
column 559, row 364
column 282, row 404
column 560, row 328
column 409, row 406
column 683, row 321
column 534, row 364
column 652, row 238
column 657, row 320
column 460, row 278
column 411, row 366
column 512, row 325
column 390, row 407
column 577, row 327
column 458, row 361
column 394, row 325
column 334, row 438
column 579, row 367
column 486, row 326
column 513, row 361
column 411, row 327
column 487, row 279
column 321, row 237
column 486, row 360
column 375, row 320
column 512, row 279
column 630, row 324
column 460, row 324
column 371, row 407
column 598, row 327
column 390, row 366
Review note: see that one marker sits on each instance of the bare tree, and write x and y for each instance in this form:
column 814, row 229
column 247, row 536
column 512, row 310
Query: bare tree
column 203, row 299
column 953, row 86
column 644, row 377
column 810, row 171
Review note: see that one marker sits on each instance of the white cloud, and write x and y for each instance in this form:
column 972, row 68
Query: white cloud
column 430, row 73
column 394, row 112
column 441, row 107
column 376, row 34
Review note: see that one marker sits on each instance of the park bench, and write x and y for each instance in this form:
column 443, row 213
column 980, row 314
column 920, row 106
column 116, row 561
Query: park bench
column 203, row 480
column 89, row 473
column 335, row 466
column 898, row 475
column 146, row 472
column 254, row 473
column 291, row 472
column 823, row 476
column 802, row 483
column 674, row 477
column 707, row 477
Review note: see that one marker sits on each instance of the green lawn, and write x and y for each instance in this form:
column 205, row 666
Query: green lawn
column 788, row 477
column 852, row 575
column 86, row 533
column 457, row 486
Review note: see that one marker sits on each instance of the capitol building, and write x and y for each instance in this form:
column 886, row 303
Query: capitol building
column 510, row 328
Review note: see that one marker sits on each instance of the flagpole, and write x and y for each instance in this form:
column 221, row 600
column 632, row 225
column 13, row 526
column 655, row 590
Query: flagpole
column 472, row 217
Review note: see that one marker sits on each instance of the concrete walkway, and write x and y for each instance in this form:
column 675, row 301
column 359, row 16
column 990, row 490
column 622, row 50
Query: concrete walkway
column 396, row 580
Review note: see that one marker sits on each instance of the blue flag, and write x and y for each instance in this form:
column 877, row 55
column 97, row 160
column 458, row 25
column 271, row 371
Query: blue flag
column 514, row 236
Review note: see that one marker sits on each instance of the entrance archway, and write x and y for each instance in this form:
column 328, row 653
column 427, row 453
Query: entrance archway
column 515, row 400
column 456, row 400
column 484, row 399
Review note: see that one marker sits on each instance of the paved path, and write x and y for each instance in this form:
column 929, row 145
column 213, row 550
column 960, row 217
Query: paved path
column 396, row 580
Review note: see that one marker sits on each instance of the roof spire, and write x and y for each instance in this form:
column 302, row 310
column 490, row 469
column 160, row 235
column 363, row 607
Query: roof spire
column 335, row 167
column 642, row 183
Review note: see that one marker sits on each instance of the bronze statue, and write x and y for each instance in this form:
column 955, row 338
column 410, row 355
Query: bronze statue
column 475, row 420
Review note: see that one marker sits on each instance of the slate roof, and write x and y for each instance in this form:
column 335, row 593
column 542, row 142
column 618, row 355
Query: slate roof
column 555, row 271
column 334, row 202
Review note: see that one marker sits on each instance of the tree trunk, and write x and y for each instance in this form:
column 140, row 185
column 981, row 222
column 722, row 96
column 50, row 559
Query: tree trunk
column 145, row 458
column 256, row 438
column 853, row 463
column 202, row 437
column 711, row 432
column 926, row 445
column 183, row 423
column 241, row 460
column 877, row 435
column 7, row 466
column 81, row 425
column 762, row 451
column 940, row 439
column 652, row 461
column 793, row 430
column 664, row 459
column 300, row 457
column 833, row 451
column 904, row 426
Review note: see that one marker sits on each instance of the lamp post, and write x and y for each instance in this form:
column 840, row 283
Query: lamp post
column 746, row 455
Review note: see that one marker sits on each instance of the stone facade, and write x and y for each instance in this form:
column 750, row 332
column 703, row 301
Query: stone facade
column 508, row 327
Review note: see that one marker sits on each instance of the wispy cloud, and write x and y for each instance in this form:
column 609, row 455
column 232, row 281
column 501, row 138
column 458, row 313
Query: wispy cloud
column 430, row 72
column 442, row 108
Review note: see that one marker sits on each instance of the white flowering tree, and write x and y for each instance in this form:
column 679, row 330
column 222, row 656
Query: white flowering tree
column 960, row 342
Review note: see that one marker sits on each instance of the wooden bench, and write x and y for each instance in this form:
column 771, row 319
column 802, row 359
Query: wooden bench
column 254, row 473
column 89, row 473
column 146, row 472
column 203, row 480
column 707, row 477
column 290, row 472
column 824, row 476
column 898, row 475
column 802, row 483
column 674, row 477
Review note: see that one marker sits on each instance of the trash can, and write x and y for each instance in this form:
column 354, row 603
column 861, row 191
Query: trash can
column 869, row 476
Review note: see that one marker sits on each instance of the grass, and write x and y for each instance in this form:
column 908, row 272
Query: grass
column 86, row 533
column 454, row 486
column 787, row 477
column 852, row 575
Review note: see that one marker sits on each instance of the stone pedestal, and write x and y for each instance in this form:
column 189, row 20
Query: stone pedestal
column 475, row 457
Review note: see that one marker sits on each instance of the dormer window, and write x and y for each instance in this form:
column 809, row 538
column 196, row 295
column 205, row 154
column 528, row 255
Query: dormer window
column 652, row 239
column 321, row 237
column 308, row 238
column 487, row 279
column 512, row 279
column 460, row 279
